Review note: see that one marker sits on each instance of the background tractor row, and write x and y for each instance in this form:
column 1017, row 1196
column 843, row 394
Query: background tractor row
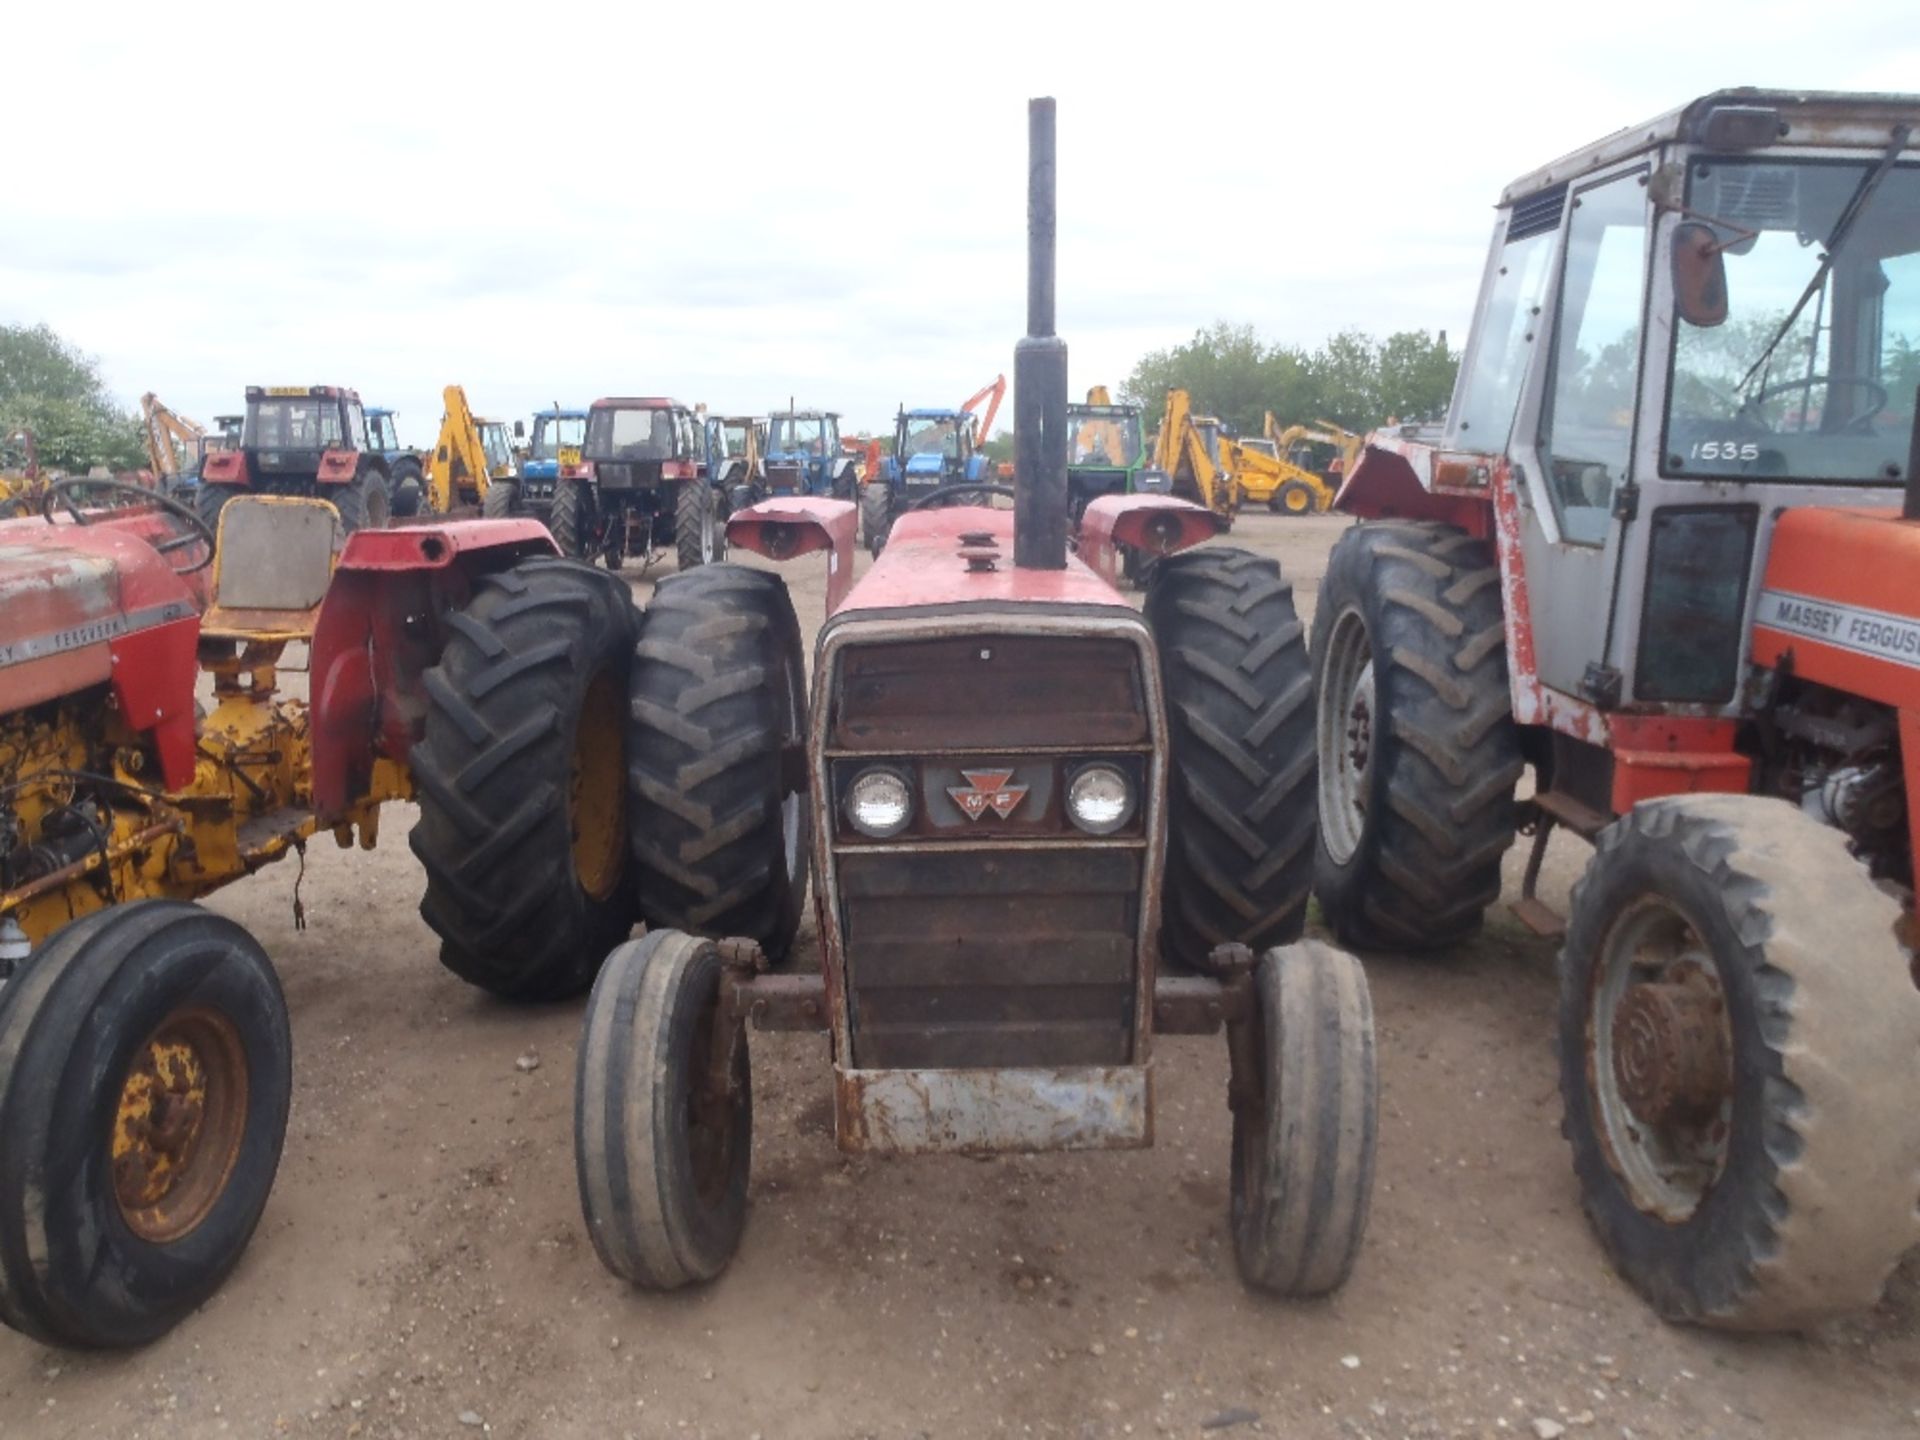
column 932, row 449
column 1664, row 553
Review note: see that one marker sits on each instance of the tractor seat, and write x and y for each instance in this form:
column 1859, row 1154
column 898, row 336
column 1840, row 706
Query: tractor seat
column 271, row 568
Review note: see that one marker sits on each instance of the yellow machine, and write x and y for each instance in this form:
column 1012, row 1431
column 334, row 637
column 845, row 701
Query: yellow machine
column 1187, row 447
column 470, row 455
column 173, row 441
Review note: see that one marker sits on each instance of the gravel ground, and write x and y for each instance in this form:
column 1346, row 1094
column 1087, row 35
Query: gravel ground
column 422, row 1269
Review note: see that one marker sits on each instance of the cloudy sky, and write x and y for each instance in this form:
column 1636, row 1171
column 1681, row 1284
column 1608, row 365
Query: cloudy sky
column 735, row 204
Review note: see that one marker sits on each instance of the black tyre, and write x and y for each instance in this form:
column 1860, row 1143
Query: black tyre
column 210, row 500
column 662, row 1160
column 699, row 529
column 1303, row 1159
column 1241, row 792
column 520, row 775
column 364, row 502
column 1418, row 752
column 1294, row 497
column 499, row 501
column 145, row 1071
column 570, row 519
column 409, row 489
column 876, row 515
column 1739, row 1051
column 719, row 819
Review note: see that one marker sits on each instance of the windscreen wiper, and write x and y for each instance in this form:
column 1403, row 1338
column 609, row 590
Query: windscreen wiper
column 1855, row 207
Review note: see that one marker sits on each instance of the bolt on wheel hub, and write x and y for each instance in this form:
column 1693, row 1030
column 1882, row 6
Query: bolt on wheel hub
column 178, row 1126
column 1670, row 1055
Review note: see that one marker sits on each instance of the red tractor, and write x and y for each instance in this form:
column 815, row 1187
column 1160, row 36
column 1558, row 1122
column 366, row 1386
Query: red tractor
column 1662, row 552
column 144, row 1053
column 1045, row 830
column 301, row 440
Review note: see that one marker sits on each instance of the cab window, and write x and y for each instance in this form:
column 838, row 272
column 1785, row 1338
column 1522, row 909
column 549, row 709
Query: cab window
column 1586, row 427
column 1490, row 389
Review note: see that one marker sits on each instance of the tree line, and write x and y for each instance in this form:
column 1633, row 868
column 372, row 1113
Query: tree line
column 52, row 389
column 1352, row 379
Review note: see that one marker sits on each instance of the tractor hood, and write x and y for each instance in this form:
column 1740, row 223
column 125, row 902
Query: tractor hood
column 963, row 555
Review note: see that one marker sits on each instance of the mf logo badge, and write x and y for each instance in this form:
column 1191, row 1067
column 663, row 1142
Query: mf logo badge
column 987, row 790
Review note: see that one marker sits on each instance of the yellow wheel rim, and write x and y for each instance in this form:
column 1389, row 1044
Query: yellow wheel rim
column 597, row 794
column 1298, row 502
column 178, row 1127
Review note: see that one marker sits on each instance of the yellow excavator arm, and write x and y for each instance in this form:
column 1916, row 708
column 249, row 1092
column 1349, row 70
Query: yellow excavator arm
column 167, row 436
column 457, row 470
column 1181, row 451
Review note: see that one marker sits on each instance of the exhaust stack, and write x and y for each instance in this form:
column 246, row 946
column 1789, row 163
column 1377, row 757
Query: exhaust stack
column 1040, row 374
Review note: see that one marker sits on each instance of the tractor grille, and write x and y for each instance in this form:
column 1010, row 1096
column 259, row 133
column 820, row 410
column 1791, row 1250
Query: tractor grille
column 989, row 939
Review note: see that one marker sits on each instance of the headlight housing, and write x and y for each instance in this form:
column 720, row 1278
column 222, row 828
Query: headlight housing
column 879, row 803
column 1100, row 798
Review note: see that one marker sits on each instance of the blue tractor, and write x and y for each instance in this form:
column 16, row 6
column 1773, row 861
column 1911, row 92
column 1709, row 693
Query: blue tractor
column 405, row 472
column 804, row 456
column 553, row 456
column 932, row 450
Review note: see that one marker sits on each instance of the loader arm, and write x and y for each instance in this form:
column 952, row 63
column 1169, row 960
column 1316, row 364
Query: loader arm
column 1182, row 453
column 458, row 458
column 993, row 394
column 167, row 434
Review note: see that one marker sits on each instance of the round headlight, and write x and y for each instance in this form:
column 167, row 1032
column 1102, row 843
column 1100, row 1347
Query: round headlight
column 879, row 804
column 1099, row 799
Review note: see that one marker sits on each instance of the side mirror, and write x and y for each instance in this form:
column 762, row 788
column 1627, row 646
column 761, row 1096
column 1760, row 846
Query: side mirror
column 519, row 429
column 1699, row 275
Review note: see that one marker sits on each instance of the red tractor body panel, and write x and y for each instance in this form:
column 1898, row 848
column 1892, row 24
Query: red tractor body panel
column 963, row 555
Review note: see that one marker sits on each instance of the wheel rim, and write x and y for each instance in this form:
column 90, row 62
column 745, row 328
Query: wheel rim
column 597, row 790
column 1345, row 736
column 1296, row 502
column 179, row 1124
column 1659, row 1060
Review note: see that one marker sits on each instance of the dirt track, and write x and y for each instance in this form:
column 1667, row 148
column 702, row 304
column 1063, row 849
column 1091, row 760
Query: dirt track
column 423, row 1259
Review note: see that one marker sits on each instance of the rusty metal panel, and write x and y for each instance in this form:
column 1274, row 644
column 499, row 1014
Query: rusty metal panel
column 916, row 1111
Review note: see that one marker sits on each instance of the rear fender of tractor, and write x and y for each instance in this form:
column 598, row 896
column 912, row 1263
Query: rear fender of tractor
column 1155, row 525
column 790, row 525
column 337, row 467
column 225, row 467
column 380, row 628
column 1383, row 486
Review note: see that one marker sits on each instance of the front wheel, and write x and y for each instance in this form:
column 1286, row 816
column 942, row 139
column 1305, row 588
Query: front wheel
column 145, row 1073
column 1739, row 1052
column 699, row 530
column 876, row 515
column 1295, row 497
column 409, row 489
column 499, row 501
column 1303, row 1154
column 364, row 502
column 662, row 1123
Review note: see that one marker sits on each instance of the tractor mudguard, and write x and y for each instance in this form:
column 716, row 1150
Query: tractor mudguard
column 1384, row 484
column 1156, row 524
column 380, row 629
column 337, row 467
column 225, row 467
column 790, row 525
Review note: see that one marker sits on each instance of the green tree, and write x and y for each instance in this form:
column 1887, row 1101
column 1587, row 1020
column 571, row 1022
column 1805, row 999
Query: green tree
column 53, row 389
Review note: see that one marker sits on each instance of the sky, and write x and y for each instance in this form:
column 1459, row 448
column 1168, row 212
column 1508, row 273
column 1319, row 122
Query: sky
column 739, row 204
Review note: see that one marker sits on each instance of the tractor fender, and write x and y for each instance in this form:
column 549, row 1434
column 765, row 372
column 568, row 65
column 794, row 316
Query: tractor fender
column 1154, row 524
column 337, row 467
column 1383, row 485
column 381, row 627
column 225, row 467
column 790, row 525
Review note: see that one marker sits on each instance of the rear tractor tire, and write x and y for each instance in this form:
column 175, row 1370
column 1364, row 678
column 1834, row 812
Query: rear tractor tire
column 1303, row 1156
column 716, row 758
column 521, row 778
column 699, row 529
column 499, row 501
column 145, row 1073
column 1240, row 708
column 1739, row 1051
column 876, row 515
column 409, row 489
column 1418, row 752
column 364, row 502
column 209, row 501
column 662, row 1159
column 570, row 518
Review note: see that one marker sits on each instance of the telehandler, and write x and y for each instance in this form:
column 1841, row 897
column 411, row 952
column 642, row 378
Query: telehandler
column 1044, row 829
column 1665, row 552
column 1187, row 449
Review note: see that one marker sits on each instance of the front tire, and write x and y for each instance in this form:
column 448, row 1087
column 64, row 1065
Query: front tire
column 1240, row 711
column 499, row 501
column 876, row 515
column 521, row 779
column 1303, row 1158
column 145, row 1073
column 662, row 1161
column 1418, row 752
column 409, row 489
column 1739, row 1051
column 699, row 532
column 719, row 816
